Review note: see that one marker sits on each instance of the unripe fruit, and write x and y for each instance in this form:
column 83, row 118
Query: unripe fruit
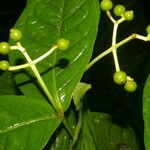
column 119, row 10
column 106, row 5
column 128, row 15
column 63, row 44
column 120, row 77
column 4, row 65
column 4, row 48
column 148, row 29
column 130, row 86
column 15, row 34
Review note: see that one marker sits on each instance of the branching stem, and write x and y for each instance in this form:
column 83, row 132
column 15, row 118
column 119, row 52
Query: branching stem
column 114, row 51
column 33, row 61
column 109, row 50
column 38, row 76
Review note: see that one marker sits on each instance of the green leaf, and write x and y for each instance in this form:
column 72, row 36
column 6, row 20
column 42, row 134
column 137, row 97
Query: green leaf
column 25, row 123
column 110, row 136
column 79, row 93
column 86, row 139
column 98, row 132
column 7, row 85
column 146, row 113
column 61, row 142
column 62, row 137
column 43, row 22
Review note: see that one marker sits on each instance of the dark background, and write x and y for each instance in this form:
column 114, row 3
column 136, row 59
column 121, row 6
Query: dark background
column 134, row 58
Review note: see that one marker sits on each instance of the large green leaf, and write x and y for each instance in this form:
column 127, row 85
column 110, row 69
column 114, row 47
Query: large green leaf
column 60, row 141
column 25, row 124
column 86, row 139
column 7, row 85
column 146, row 113
column 111, row 136
column 43, row 22
column 98, row 132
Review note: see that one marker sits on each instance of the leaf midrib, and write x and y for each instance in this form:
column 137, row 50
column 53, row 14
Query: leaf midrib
column 57, row 99
column 25, row 123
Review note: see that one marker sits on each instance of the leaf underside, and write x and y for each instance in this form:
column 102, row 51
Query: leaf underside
column 43, row 22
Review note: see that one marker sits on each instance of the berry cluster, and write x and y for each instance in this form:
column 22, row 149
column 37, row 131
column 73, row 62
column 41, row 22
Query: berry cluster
column 121, row 78
column 119, row 10
column 15, row 35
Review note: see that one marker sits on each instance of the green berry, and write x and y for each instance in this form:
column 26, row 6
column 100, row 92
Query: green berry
column 106, row 5
column 148, row 29
column 130, row 86
column 63, row 44
column 4, row 65
column 15, row 34
column 119, row 10
column 128, row 15
column 120, row 77
column 4, row 48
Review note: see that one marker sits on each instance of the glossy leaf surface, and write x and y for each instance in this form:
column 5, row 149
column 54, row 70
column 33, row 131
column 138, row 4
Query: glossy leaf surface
column 25, row 124
column 146, row 113
column 79, row 93
column 98, row 132
column 43, row 22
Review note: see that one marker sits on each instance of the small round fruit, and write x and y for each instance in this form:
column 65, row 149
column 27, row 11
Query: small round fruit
column 15, row 34
column 4, row 48
column 128, row 15
column 106, row 5
column 148, row 29
column 130, row 86
column 4, row 65
column 120, row 77
column 63, row 44
column 119, row 10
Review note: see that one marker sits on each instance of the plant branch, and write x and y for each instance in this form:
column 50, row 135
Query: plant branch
column 114, row 51
column 11, row 68
column 109, row 50
column 36, row 73
column 110, row 16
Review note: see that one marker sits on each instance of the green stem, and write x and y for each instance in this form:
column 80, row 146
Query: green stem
column 77, row 131
column 44, row 87
column 69, row 130
column 11, row 68
column 38, row 76
column 114, row 51
column 109, row 50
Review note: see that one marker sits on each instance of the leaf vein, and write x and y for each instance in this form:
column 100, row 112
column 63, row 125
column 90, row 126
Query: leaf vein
column 17, row 125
